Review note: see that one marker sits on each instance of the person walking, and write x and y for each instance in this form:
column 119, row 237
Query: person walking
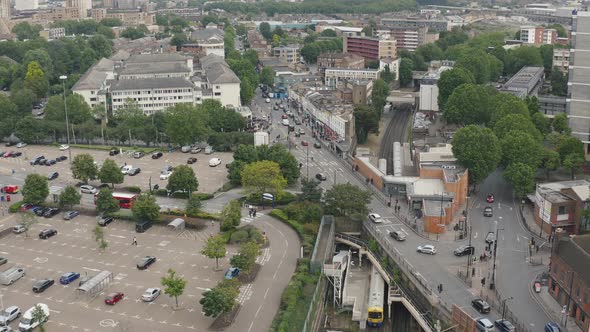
column 134, row 243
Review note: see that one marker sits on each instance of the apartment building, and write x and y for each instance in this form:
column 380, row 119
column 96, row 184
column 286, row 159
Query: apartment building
column 387, row 48
column 333, row 77
column 406, row 39
column 291, row 53
column 538, row 35
column 339, row 60
column 415, row 23
column 219, row 81
column 367, row 47
column 83, row 6
column 143, row 66
column 131, row 17
column 561, row 59
column 5, row 8
column 53, row 33
column 152, row 95
column 45, row 18
column 206, row 42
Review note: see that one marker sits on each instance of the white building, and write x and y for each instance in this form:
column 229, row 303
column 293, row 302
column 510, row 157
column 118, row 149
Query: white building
column 220, row 82
column 428, row 85
column 561, row 59
column 152, row 95
column 26, row 5
column 333, row 76
column 156, row 66
column 209, row 41
column 94, row 81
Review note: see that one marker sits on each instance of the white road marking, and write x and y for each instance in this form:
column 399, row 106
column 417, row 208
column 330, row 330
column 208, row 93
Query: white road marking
column 90, row 269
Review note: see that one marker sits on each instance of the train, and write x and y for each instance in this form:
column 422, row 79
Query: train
column 375, row 316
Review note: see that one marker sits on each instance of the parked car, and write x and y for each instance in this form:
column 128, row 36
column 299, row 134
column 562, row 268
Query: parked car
column 61, row 158
column 304, row 143
column 113, row 298
column 490, row 198
column 41, row 285
column 398, row 235
column 145, row 262
column 151, row 294
column 213, row 162
column 552, row 327
column 374, row 217
column 9, row 189
column 321, row 176
column 39, row 211
column 481, row 306
column 52, row 176
column 47, row 233
column 21, row 145
column 28, row 322
column 426, row 249
column 17, row 154
column 134, row 171
column 126, row 168
column 186, row 149
column 491, row 237
column 50, row 212
column 165, row 176
column 68, row 277
column 63, row 147
column 233, row 272
column 104, row 221
column 166, row 169
column 488, row 211
column 138, row 155
column 464, row 250
column 484, row 325
column 191, row 160
column 504, row 325
column 317, row 145
column 195, row 150
column 3, row 260
column 8, row 315
column 114, row 152
column 69, row 215
column 157, row 155
column 88, row 189
column 20, row 228
column 50, row 162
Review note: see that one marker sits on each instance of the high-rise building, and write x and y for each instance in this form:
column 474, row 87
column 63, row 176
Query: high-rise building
column 82, row 5
column 537, row 35
column 578, row 97
column 26, row 5
column 5, row 8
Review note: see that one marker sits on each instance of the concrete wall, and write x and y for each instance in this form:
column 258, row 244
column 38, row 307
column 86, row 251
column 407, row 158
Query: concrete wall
column 369, row 171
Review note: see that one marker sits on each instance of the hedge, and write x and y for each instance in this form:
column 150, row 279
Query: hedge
column 200, row 215
column 15, row 207
column 180, row 194
column 133, row 189
column 110, row 147
column 307, row 239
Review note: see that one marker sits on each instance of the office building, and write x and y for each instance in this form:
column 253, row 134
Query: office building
column 416, row 23
column 387, row 48
column 290, row 53
column 527, row 82
column 129, row 18
column 83, row 6
column 26, row 5
column 152, row 95
column 561, row 59
column 5, row 7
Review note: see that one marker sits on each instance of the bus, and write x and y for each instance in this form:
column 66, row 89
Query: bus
column 375, row 317
column 126, row 200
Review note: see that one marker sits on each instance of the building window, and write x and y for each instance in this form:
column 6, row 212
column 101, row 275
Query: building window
column 217, row 94
column 561, row 210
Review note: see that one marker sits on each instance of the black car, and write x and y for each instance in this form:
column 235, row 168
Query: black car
column 50, row 162
column 52, row 176
column 17, row 154
column 105, row 221
column 191, row 160
column 464, row 250
column 42, row 285
column 145, row 262
column 40, row 212
column 113, row 152
column 47, row 233
column 50, row 212
column 61, row 158
column 9, row 143
column 134, row 171
column 321, row 177
column 157, row 155
column 481, row 306
column 504, row 325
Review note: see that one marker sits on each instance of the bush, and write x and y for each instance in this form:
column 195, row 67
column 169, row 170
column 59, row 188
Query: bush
column 133, row 189
column 15, row 207
column 160, row 192
column 179, row 194
column 200, row 215
column 203, row 196
column 239, row 236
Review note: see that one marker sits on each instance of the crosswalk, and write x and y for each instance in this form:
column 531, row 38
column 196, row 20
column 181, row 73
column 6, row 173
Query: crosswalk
column 251, row 219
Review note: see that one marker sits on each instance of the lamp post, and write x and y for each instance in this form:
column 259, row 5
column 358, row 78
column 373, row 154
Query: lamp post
column 504, row 305
column 63, row 79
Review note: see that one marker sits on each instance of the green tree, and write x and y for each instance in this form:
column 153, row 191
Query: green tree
column 69, row 197
column 379, row 95
column 111, row 22
column 263, row 176
column 265, row 30
column 366, row 122
column 24, row 31
column 23, row 99
column 220, row 299
column 105, row 202
column 173, row 285
column 569, row 145
column 522, row 56
column 542, row 123
column 267, row 76
column 40, row 316
column 110, row 173
column 35, row 79
column 560, row 124
column 573, row 162
column 430, row 52
column 449, row 80
column 246, row 257
column 230, row 216
column 134, row 33
column 35, row 190
column 405, row 71
column 247, row 91
column 9, row 115
column 178, row 40
column 550, row 162
column 183, row 179
column 477, row 149
column 27, row 219
column 106, row 31
column 468, row 104
column 516, row 122
column 532, row 103
column 146, row 208
column 101, row 45
column 310, row 190
column 83, row 168
column 29, row 129
column 215, row 249
column 193, row 205
column 558, row 83
column 346, row 200
column 98, row 233
column 518, row 146
column 387, row 76
column 521, row 177
column 185, row 124
column 505, row 104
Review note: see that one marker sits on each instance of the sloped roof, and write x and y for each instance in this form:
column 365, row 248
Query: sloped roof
column 159, row 57
column 207, row 34
column 217, row 70
column 576, row 253
column 154, row 68
column 95, row 76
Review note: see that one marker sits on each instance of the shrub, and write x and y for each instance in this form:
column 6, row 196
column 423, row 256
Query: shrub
column 179, row 194
column 160, row 192
column 239, row 236
column 14, row 208
column 203, row 196
column 133, row 189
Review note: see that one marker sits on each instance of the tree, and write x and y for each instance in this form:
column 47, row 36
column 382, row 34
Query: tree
column 550, row 162
column 84, row 168
column 430, row 52
column 110, row 173
column 516, row 122
column 379, row 95
column 69, row 197
column 247, row 91
column 366, row 121
column 387, row 76
column 183, row 179
column 220, row 299
column 111, row 22
column 310, row 190
column 346, row 200
column 230, row 216
column 505, row 104
column 265, row 31
column 520, row 57
column 329, row 33
column 518, row 146
column 146, row 208
column 558, row 83
column 101, row 45
column 35, row 79
column 185, row 124
column 23, row 99
column 449, row 80
column 98, row 233
column 263, row 176
column 40, row 316
column 9, row 115
column 134, row 33
column 173, row 285
column 468, row 104
column 573, row 162
column 267, row 76
column 35, row 190
column 570, row 145
column 24, row 31
column 105, row 202
column 542, row 123
column 522, row 178
column 560, row 124
column 193, row 205
column 214, row 249
column 477, row 149
column 27, row 219
column 246, row 257
column 178, row 40
column 405, row 71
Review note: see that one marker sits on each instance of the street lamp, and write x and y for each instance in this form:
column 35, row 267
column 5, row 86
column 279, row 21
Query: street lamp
column 63, row 79
column 504, row 305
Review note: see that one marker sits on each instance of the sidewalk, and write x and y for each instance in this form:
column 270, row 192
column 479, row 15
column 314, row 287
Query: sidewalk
column 554, row 310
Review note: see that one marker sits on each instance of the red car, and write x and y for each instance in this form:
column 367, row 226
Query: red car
column 284, row 116
column 9, row 154
column 490, row 198
column 10, row 189
column 113, row 298
column 304, row 143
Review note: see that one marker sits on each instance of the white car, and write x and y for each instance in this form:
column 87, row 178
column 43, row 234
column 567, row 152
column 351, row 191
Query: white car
column 8, row 315
column 374, row 217
column 427, row 249
column 165, row 176
column 125, row 169
column 88, row 189
column 267, row 100
column 214, row 162
column 21, row 145
column 150, row 294
column 64, row 147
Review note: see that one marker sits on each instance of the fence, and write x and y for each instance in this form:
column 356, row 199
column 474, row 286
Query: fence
column 315, row 313
column 495, row 301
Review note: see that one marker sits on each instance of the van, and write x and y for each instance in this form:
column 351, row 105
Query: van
column 208, row 150
column 11, row 275
column 142, row 226
column 186, row 148
column 285, row 122
column 28, row 322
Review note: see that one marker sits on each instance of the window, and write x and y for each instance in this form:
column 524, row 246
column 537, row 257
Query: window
column 561, row 210
column 218, row 93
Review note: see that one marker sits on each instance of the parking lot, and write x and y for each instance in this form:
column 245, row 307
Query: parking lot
column 74, row 249
column 210, row 178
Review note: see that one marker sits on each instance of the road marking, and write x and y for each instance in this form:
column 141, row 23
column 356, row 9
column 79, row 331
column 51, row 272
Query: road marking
column 90, row 269
column 119, row 236
column 475, row 236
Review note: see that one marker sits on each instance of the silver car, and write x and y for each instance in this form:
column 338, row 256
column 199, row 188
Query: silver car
column 8, row 315
column 151, row 294
column 426, row 249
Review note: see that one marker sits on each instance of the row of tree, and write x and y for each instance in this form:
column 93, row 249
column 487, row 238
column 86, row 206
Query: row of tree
column 367, row 116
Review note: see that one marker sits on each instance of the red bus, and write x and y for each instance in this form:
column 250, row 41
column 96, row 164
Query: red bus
column 126, row 200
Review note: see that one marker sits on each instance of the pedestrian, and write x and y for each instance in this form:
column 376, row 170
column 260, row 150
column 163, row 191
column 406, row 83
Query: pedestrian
column 212, row 223
column 134, row 243
column 254, row 213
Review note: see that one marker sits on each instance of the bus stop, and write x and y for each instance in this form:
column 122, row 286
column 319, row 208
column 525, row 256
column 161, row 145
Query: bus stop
column 95, row 285
column 177, row 224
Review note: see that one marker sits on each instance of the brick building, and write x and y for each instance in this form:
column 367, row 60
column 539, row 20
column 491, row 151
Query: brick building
column 569, row 277
column 367, row 47
column 339, row 60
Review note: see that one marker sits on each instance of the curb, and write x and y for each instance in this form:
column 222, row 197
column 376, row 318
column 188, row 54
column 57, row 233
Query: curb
column 540, row 302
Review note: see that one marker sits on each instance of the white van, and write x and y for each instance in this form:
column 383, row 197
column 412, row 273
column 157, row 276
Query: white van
column 285, row 122
column 11, row 275
column 27, row 322
column 208, row 150
column 186, row 148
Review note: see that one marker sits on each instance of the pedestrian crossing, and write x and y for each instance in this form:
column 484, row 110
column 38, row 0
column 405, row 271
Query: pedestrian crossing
column 251, row 219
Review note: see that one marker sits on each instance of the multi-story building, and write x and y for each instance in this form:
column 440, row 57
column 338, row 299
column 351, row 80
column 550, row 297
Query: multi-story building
column 578, row 98
column 406, row 39
column 561, row 59
column 415, row 23
column 93, row 84
column 130, row 17
column 45, row 18
column 387, row 48
column 53, row 33
column 83, row 6
column 367, row 47
column 219, row 81
column 356, row 92
column 335, row 76
column 156, row 66
column 339, row 60
column 5, row 8
column 207, row 41
column 429, row 84
column 152, row 95
column 569, row 277
column 26, row 5
column 290, row 53
column 560, row 205
column 526, row 82
column 537, row 35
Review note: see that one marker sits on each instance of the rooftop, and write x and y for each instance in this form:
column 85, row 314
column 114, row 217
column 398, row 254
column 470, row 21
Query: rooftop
column 580, row 187
column 95, row 76
column 217, row 70
column 158, row 58
column 150, row 83
column 207, row 34
column 154, row 68
column 575, row 251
